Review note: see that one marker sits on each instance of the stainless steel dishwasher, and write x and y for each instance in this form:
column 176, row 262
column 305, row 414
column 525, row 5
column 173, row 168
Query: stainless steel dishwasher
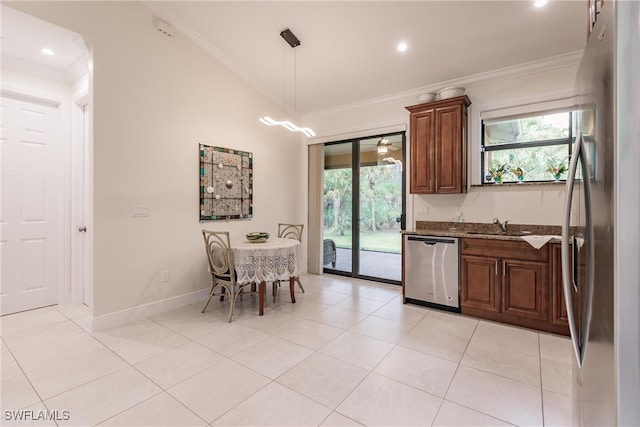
column 431, row 275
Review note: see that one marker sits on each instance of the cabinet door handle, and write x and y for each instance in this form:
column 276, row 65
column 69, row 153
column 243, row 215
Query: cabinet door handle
column 496, row 267
column 504, row 268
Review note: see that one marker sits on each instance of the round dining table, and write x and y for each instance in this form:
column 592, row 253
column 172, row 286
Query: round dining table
column 273, row 260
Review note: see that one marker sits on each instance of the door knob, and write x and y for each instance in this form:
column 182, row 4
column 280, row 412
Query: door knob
column 82, row 229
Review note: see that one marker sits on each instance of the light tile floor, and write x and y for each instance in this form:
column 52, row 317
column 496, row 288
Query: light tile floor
column 347, row 353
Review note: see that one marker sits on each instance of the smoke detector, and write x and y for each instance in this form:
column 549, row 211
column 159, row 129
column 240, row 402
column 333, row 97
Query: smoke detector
column 165, row 28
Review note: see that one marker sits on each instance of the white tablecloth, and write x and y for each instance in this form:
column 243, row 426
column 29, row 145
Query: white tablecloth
column 275, row 259
column 538, row 241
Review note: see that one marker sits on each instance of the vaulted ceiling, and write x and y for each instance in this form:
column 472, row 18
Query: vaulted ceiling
column 348, row 52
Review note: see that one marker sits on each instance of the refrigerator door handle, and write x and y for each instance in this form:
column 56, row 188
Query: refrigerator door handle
column 579, row 337
column 568, row 269
column 589, row 243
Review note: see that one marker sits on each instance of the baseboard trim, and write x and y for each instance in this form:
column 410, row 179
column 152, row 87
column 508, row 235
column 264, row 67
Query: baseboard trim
column 124, row 317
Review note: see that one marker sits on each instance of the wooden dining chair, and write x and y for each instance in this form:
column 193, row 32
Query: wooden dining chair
column 289, row 231
column 222, row 268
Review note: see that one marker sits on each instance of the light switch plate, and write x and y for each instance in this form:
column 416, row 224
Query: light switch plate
column 164, row 276
column 140, row 211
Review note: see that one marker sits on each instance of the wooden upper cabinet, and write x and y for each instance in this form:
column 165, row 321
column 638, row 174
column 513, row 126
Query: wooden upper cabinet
column 438, row 146
column 421, row 154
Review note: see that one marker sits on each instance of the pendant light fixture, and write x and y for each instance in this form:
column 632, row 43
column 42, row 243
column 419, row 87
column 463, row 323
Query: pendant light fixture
column 287, row 125
column 293, row 41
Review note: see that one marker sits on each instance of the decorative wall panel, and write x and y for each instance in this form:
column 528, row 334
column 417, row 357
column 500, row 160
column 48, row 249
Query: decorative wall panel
column 226, row 183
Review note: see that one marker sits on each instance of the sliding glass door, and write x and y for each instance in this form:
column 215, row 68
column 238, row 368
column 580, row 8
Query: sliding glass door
column 363, row 207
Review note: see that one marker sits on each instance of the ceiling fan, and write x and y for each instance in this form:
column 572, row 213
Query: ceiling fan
column 384, row 145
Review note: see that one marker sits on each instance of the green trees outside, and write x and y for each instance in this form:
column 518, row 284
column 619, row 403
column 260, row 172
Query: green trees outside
column 337, row 200
column 535, row 163
column 380, row 198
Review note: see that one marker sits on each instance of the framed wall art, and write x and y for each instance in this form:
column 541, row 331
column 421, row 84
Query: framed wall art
column 226, row 183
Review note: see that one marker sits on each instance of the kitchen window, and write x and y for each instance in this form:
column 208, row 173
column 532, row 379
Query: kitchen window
column 527, row 148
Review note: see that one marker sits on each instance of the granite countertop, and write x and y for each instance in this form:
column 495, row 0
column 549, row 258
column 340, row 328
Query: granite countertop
column 477, row 230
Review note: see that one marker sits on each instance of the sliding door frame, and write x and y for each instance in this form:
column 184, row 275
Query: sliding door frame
column 355, row 207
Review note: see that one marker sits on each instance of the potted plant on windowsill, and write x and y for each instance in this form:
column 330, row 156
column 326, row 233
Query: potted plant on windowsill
column 497, row 172
column 517, row 171
column 556, row 169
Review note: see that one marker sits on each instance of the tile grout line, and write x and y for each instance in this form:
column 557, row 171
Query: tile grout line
column 455, row 373
column 129, row 365
column 357, row 292
column 371, row 370
column 541, row 385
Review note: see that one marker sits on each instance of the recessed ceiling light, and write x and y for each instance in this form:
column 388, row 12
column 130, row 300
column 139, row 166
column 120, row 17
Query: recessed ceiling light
column 47, row 51
column 540, row 3
column 402, row 46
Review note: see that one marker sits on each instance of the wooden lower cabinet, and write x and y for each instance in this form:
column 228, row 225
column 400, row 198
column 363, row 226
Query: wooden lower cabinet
column 525, row 287
column 480, row 287
column 512, row 282
column 558, row 307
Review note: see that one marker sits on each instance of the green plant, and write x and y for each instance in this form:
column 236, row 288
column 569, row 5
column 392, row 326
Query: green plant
column 518, row 173
column 497, row 171
column 556, row 168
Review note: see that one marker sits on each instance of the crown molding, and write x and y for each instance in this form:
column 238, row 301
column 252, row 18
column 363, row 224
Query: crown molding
column 163, row 12
column 545, row 64
column 533, row 67
column 166, row 14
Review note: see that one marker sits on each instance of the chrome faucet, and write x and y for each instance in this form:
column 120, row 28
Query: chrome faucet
column 503, row 225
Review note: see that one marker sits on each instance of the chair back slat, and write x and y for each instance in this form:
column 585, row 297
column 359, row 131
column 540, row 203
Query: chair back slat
column 220, row 255
column 290, row 231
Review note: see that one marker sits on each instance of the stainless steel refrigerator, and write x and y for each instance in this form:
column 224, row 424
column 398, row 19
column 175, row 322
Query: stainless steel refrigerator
column 600, row 249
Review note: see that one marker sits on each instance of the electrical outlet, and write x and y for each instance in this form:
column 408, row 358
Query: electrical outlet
column 423, row 210
column 164, row 276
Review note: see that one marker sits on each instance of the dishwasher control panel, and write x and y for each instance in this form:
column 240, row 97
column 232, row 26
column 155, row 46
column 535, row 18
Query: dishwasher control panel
column 432, row 272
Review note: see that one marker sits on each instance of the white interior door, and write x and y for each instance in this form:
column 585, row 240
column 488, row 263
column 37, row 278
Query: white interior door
column 31, row 156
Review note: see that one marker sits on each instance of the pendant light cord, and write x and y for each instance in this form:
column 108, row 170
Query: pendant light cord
column 284, row 77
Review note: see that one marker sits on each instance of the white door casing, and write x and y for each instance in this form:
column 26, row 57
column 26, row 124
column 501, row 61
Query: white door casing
column 85, row 205
column 31, row 156
column 80, row 196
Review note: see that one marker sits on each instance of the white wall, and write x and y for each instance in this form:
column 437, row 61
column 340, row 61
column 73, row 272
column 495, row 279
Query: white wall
column 29, row 84
column 525, row 204
column 154, row 100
